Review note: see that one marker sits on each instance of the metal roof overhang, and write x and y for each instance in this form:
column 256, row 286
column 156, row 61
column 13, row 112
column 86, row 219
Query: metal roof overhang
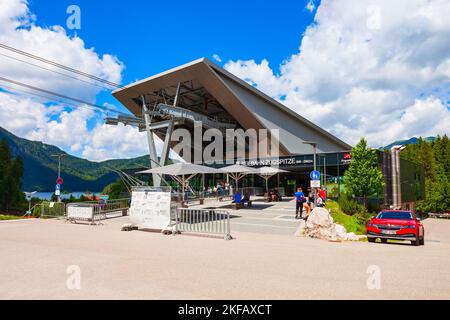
column 209, row 75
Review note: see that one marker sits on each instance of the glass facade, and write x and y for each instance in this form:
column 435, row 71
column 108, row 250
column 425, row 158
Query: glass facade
column 332, row 167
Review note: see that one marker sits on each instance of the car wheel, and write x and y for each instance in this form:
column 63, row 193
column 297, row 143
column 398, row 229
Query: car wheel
column 422, row 241
column 416, row 242
column 371, row 239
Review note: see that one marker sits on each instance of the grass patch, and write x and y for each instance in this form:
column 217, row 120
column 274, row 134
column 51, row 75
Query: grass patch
column 8, row 217
column 351, row 223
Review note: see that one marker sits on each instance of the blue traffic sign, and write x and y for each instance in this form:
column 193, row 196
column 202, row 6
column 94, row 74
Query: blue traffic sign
column 315, row 175
column 58, row 187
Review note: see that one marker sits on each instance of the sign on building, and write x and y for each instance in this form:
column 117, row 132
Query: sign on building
column 150, row 207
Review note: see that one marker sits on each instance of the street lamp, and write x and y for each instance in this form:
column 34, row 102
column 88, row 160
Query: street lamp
column 29, row 196
column 314, row 146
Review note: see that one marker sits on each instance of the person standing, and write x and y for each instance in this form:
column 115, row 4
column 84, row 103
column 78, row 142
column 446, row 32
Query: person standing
column 299, row 200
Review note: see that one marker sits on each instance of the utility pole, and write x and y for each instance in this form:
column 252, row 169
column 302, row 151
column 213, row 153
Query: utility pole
column 59, row 156
column 314, row 146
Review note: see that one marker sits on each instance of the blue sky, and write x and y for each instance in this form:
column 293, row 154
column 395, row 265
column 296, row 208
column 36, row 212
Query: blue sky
column 374, row 69
column 152, row 36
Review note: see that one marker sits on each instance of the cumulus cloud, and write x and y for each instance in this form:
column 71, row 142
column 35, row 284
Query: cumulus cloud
column 379, row 69
column 69, row 130
column 79, row 131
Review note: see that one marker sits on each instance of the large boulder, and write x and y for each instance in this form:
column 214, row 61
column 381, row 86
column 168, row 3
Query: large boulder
column 320, row 225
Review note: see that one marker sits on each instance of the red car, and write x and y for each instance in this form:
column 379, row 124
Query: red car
column 396, row 225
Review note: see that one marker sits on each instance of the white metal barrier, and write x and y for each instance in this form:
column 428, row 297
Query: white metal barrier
column 94, row 211
column 204, row 221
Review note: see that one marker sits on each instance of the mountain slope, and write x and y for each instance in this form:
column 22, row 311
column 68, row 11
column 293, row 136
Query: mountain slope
column 78, row 174
column 407, row 142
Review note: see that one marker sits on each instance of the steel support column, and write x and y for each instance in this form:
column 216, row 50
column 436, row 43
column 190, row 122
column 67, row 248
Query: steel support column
column 151, row 143
column 166, row 147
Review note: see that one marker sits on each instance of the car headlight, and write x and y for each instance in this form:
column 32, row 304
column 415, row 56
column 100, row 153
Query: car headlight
column 372, row 225
column 409, row 227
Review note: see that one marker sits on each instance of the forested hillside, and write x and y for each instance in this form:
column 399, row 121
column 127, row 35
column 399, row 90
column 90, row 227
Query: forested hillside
column 434, row 156
column 40, row 168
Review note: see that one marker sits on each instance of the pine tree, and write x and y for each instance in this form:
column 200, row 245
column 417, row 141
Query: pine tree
column 434, row 157
column 11, row 172
column 364, row 178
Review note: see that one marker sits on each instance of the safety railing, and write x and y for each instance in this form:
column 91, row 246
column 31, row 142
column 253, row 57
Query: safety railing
column 203, row 221
column 94, row 211
column 439, row 215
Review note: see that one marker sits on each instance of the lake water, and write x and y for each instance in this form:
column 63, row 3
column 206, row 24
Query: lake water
column 48, row 195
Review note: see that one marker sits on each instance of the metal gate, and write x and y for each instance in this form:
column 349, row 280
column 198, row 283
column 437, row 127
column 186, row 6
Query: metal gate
column 53, row 210
column 94, row 211
column 204, row 221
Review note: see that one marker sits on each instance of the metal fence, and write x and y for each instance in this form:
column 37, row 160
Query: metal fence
column 94, row 211
column 439, row 215
column 204, row 221
column 52, row 210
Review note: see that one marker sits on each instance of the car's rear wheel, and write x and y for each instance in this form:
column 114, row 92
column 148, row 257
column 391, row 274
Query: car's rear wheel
column 422, row 241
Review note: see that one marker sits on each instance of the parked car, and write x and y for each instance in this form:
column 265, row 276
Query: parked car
column 396, row 225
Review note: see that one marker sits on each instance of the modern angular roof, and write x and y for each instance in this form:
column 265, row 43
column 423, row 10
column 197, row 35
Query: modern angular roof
column 246, row 104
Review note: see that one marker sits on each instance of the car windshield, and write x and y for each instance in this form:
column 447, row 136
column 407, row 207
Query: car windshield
column 401, row 215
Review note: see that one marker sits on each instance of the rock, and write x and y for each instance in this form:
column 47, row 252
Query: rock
column 341, row 233
column 353, row 237
column 320, row 225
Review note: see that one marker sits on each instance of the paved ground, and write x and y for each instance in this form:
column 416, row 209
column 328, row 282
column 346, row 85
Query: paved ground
column 35, row 256
column 262, row 217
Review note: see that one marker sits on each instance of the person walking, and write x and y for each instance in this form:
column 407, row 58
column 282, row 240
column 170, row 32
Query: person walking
column 299, row 200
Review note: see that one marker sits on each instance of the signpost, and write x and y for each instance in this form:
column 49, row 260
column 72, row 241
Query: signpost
column 315, row 175
column 315, row 183
column 58, row 189
column 59, row 181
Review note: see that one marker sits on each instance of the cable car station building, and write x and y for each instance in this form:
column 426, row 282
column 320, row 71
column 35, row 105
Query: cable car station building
column 202, row 92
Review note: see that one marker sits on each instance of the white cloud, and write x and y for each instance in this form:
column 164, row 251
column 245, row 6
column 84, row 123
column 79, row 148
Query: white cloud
column 379, row 69
column 80, row 131
column 217, row 57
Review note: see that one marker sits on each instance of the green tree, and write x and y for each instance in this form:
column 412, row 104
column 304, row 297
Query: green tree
column 11, row 172
column 364, row 178
column 115, row 189
column 434, row 157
